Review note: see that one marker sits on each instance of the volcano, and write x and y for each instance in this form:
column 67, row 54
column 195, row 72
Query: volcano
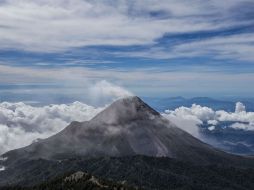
column 128, row 141
column 128, row 127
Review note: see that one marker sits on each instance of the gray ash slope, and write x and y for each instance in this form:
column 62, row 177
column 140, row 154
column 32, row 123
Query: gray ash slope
column 127, row 127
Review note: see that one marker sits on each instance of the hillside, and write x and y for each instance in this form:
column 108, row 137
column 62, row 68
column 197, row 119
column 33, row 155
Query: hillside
column 140, row 171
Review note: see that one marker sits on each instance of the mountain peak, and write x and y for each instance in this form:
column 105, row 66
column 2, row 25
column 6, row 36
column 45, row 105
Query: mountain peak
column 125, row 128
column 126, row 109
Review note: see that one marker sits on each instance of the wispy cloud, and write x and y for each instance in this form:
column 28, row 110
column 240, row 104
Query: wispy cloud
column 49, row 26
column 238, row 47
column 190, row 119
column 139, row 81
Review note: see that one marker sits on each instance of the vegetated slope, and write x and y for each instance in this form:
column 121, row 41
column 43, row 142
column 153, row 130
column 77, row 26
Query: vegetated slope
column 76, row 181
column 140, row 171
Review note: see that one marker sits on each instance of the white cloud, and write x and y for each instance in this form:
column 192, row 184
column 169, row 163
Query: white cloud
column 234, row 47
column 189, row 119
column 239, row 107
column 238, row 46
column 195, row 111
column 20, row 124
column 39, row 25
column 105, row 89
column 211, row 128
column 188, row 123
column 243, row 126
column 212, row 122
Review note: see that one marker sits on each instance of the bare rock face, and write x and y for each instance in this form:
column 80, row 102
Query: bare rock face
column 126, row 110
column 127, row 127
column 76, row 176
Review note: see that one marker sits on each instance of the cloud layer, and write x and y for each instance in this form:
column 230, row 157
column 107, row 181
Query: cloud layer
column 20, row 124
column 191, row 118
column 104, row 90
column 39, row 25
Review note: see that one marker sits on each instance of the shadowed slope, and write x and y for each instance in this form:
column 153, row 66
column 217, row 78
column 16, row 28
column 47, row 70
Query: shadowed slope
column 148, row 172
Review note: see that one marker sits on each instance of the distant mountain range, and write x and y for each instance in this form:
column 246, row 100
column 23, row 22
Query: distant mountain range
column 130, row 141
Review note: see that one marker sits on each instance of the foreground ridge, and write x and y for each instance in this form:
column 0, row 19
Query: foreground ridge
column 139, row 172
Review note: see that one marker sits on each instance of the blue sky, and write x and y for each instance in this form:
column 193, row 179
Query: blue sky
column 61, row 49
